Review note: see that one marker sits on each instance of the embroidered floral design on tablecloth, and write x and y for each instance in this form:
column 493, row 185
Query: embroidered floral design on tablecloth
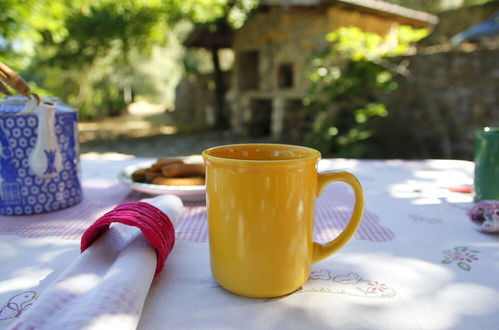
column 351, row 284
column 17, row 304
column 462, row 255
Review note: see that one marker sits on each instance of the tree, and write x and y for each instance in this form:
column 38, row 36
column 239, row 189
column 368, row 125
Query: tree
column 81, row 50
column 227, row 16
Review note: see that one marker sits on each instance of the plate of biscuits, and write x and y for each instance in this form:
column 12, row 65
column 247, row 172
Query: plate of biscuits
column 181, row 176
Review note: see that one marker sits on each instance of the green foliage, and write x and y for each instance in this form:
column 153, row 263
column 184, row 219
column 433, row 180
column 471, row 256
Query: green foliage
column 92, row 60
column 21, row 23
column 208, row 11
column 90, row 53
column 348, row 81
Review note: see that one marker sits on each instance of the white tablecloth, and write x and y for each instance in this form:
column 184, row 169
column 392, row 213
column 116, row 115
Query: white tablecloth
column 419, row 262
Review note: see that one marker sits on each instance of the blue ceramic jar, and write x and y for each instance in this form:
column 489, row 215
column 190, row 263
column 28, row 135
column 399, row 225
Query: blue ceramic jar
column 22, row 192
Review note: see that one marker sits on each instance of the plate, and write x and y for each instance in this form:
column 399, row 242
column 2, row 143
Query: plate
column 186, row 193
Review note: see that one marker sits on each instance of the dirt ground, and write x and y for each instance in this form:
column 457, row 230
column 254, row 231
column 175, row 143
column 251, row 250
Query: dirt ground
column 151, row 135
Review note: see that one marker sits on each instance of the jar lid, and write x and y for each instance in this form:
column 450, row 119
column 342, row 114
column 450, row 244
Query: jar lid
column 14, row 104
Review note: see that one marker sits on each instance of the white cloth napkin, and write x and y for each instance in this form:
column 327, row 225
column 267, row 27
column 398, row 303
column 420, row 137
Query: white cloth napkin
column 106, row 286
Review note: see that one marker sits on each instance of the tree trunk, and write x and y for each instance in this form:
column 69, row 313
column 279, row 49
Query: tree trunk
column 221, row 120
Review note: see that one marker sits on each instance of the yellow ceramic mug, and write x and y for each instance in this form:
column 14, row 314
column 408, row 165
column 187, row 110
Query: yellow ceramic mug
column 261, row 206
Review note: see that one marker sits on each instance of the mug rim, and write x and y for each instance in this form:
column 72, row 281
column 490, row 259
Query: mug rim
column 315, row 154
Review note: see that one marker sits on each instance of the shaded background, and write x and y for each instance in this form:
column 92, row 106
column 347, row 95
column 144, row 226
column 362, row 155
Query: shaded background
column 375, row 79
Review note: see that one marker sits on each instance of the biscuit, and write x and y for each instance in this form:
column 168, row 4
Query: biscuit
column 172, row 172
column 139, row 175
column 156, row 167
column 179, row 169
column 151, row 175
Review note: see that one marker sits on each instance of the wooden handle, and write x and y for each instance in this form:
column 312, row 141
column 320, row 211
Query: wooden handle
column 4, row 90
column 11, row 78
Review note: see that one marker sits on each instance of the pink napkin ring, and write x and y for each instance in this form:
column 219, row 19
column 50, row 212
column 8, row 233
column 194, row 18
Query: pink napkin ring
column 154, row 224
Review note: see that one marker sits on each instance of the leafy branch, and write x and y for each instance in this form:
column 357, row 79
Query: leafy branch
column 348, row 81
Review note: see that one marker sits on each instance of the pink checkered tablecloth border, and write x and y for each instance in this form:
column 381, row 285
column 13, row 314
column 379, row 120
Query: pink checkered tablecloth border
column 69, row 223
column 333, row 211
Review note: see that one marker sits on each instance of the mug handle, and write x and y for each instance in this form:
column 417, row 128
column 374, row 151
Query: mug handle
column 322, row 251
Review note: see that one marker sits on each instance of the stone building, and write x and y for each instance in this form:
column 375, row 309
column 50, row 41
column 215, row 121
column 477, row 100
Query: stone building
column 268, row 80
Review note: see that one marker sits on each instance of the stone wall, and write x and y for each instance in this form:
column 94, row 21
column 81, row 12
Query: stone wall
column 436, row 109
column 272, row 51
